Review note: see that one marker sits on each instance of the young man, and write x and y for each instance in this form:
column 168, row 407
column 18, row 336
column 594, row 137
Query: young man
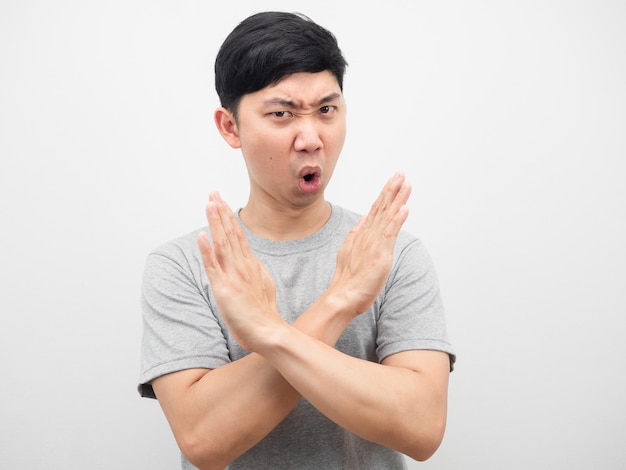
column 294, row 334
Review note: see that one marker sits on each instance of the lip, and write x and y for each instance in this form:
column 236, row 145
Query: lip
column 310, row 170
column 310, row 179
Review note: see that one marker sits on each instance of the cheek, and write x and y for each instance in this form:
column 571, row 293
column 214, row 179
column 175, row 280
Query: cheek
column 262, row 157
column 267, row 141
column 337, row 138
column 270, row 148
column 336, row 130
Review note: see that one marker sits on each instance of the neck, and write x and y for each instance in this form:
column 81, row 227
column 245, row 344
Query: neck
column 281, row 224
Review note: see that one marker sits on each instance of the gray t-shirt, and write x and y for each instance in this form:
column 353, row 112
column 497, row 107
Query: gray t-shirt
column 183, row 329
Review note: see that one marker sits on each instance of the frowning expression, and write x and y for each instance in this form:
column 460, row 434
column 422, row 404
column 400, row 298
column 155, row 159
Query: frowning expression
column 291, row 134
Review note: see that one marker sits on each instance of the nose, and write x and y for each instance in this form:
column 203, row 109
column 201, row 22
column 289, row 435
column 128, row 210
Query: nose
column 308, row 137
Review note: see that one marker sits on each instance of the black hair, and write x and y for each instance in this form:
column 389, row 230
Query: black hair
column 266, row 47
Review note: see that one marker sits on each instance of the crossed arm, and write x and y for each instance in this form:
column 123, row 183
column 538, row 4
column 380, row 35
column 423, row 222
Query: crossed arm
column 400, row 403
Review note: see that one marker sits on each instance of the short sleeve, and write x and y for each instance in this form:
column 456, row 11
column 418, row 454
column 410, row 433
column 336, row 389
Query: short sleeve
column 411, row 313
column 180, row 329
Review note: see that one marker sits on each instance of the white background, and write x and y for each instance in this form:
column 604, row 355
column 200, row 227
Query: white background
column 509, row 119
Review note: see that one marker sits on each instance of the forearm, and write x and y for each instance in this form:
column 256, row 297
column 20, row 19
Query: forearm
column 228, row 410
column 352, row 392
column 231, row 408
column 393, row 406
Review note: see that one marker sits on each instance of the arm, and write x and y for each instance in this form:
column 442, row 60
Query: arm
column 209, row 411
column 401, row 403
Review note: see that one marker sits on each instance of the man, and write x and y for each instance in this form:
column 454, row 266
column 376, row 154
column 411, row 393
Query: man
column 294, row 334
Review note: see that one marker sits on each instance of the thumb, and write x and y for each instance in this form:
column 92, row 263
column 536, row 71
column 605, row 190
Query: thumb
column 349, row 240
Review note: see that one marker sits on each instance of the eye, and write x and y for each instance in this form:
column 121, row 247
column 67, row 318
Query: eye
column 280, row 114
column 328, row 110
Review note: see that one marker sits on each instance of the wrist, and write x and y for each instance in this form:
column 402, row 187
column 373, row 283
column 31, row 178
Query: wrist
column 327, row 318
column 273, row 338
column 337, row 303
column 255, row 332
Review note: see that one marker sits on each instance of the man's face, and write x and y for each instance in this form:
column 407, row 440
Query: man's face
column 291, row 135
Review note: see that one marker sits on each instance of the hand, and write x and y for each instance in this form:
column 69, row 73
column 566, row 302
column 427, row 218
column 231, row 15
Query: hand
column 244, row 290
column 365, row 258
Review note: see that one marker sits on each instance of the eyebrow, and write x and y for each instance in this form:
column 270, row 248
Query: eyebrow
column 290, row 104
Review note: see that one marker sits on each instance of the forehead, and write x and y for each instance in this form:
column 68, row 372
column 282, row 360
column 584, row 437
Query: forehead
column 299, row 90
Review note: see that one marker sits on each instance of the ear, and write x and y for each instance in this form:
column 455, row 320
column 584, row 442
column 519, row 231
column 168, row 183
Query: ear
column 227, row 127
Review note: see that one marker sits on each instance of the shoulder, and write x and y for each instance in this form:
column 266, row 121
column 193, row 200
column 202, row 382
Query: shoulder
column 179, row 248
column 179, row 256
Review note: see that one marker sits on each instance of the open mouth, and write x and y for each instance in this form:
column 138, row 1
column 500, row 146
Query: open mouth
column 310, row 180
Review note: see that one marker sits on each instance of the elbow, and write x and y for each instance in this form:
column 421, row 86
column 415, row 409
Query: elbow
column 425, row 451
column 201, row 454
column 426, row 441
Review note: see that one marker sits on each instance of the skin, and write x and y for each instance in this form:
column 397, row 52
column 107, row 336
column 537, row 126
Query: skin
column 284, row 131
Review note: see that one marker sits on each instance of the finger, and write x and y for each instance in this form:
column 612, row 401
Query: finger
column 221, row 243
column 399, row 212
column 224, row 213
column 394, row 226
column 391, row 190
column 385, row 198
column 400, row 199
column 403, row 193
column 232, row 229
column 215, row 222
column 353, row 231
column 387, row 221
column 206, row 251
